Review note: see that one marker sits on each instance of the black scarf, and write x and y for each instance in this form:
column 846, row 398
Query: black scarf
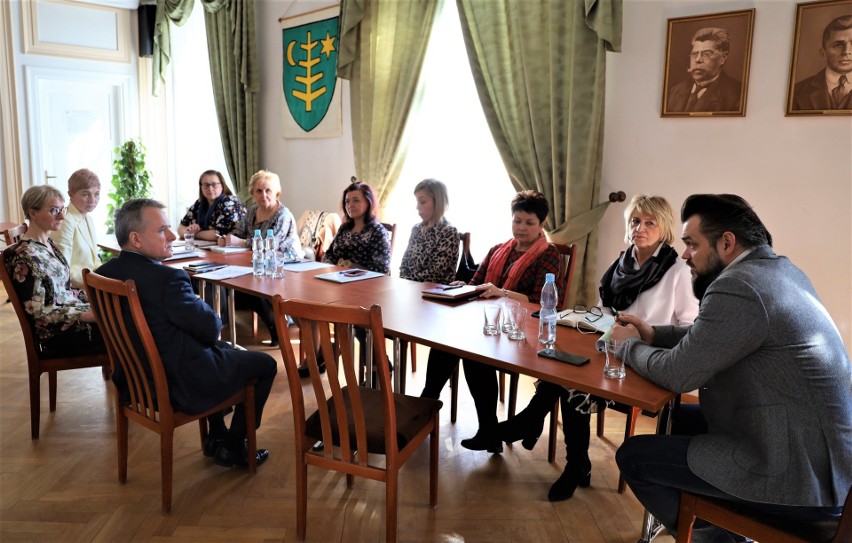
column 622, row 283
column 205, row 211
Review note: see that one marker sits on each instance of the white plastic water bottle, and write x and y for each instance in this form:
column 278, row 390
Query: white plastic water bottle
column 269, row 252
column 547, row 314
column 257, row 265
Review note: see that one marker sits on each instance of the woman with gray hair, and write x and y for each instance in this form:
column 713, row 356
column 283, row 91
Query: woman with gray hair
column 41, row 276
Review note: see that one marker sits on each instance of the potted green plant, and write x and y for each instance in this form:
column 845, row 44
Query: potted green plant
column 130, row 179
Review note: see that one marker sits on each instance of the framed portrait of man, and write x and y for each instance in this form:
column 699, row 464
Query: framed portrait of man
column 707, row 65
column 821, row 65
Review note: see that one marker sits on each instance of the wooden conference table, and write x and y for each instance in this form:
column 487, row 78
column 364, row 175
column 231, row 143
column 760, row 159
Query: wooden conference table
column 456, row 328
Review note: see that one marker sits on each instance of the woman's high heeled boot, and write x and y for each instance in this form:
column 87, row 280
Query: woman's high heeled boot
column 529, row 423
column 578, row 469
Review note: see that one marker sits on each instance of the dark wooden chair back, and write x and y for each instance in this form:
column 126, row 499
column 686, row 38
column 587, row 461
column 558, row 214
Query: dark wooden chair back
column 569, row 255
column 352, row 421
column 758, row 525
column 41, row 360
column 391, row 228
column 13, row 235
column 145, row 399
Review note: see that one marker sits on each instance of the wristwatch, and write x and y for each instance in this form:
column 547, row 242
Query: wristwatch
column 505, row 293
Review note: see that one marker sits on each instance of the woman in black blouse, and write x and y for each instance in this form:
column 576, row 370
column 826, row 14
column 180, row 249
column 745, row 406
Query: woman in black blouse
column 362, row 241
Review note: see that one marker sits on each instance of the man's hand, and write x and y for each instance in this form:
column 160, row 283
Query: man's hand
column 629, row 326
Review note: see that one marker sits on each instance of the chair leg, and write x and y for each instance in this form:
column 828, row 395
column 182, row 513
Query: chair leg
column 35, row 403
column 433, row 463
column 601, row 421
column 514, row 378
column 51, row 388
column 202, row 430
column 554, row 427
column 166, row 459
column 301, row 497
column 685, row 518
column 121, row 444
column 454, row 399
column 501, row 381
column 391, row 497
column 106, row 371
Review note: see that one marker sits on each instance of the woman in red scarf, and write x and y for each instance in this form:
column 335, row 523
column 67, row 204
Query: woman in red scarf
column 516, row 270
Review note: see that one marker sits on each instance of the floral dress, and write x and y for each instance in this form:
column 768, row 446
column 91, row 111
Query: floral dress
column 368, row 249
column 432, row 253
column 226, row 215
column 43, row 283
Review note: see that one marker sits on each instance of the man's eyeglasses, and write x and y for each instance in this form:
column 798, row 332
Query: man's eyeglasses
column 706, row 55
column 54, row 211
column 594, row 312
column 210, row 185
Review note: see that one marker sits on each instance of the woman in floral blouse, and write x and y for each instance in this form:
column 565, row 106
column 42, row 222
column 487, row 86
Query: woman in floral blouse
column 362, row 241
column 433, row 248
column 60, row 313
column 267, row 213
column 216, row 212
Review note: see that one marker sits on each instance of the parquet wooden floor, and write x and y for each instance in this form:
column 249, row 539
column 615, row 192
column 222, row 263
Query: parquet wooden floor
column 64, row 487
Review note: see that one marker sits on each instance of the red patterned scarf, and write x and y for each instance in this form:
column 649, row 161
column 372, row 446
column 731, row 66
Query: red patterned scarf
column 501, row 255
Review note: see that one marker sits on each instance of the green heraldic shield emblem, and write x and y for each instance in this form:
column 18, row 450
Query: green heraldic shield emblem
column 310, row 70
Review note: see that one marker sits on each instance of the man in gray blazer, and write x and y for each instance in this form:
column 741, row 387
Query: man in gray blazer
column 773, row 375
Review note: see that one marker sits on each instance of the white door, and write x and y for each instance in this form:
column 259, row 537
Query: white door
column 76, row 119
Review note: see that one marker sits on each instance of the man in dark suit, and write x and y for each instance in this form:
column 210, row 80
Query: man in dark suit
column 201, row 371
column 829, row 88
column 709, row 88
column 774, row 430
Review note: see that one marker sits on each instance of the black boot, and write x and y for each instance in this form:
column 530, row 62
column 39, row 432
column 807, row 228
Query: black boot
column 578, row 469
column 529, row 423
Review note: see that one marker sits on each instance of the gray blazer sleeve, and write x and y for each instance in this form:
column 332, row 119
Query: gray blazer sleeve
column 732, row 323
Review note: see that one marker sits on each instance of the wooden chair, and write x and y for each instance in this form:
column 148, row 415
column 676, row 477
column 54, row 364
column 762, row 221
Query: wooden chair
column 353, row 421
column 42, row 360
column 391, row 228
column 13, row 235
column 758, row 525
column 119, row 313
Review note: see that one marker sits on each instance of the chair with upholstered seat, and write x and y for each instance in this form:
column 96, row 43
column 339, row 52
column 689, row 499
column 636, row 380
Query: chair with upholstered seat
column 760, row 526
column 352, row 421
column 42, row 360
column 146, row 401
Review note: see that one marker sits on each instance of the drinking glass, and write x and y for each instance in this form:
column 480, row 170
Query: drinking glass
column 492, row 320
column 519, row 318
column 278, row 270
column 506, row 316
column 189, row 239
column 614, row 368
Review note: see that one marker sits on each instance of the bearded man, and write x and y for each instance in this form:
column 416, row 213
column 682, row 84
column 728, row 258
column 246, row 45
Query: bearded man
column 773, row 428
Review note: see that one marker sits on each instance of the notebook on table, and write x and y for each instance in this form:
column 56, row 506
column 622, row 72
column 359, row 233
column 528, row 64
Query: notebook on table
column 451, row 293
column 348, row 276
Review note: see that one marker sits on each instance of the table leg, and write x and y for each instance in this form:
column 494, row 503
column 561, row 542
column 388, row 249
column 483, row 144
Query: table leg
column 232, row 317
column 651, row 528
column 398, row 363
column 217, row 300
column 368, row 364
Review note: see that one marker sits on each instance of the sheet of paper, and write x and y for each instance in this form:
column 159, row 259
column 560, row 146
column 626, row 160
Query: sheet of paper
column 227, row 250
column 305, row 265
column 348, row 276
column 225, row 273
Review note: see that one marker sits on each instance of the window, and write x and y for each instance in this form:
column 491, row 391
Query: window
column 450, row 141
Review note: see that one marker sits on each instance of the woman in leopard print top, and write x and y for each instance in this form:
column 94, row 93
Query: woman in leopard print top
column 433, row 248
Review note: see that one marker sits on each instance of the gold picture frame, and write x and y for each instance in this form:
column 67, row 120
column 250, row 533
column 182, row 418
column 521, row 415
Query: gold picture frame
column 707, row 65
column 822, row 53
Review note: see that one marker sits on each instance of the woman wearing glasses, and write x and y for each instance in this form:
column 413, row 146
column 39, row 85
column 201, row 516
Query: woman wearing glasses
column 40, row 273
column 647, row 280
column 216, row 212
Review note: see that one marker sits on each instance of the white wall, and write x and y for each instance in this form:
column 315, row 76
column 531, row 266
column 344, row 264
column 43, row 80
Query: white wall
column 796, row 172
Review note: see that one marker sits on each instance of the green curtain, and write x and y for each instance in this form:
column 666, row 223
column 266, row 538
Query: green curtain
column 233, row 69
column 176, row 12
column 539, row 68
column 231, row 44
column 382, row 46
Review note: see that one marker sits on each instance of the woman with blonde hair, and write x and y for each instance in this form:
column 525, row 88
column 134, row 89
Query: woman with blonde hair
column 647, row 280
column 267, row 213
